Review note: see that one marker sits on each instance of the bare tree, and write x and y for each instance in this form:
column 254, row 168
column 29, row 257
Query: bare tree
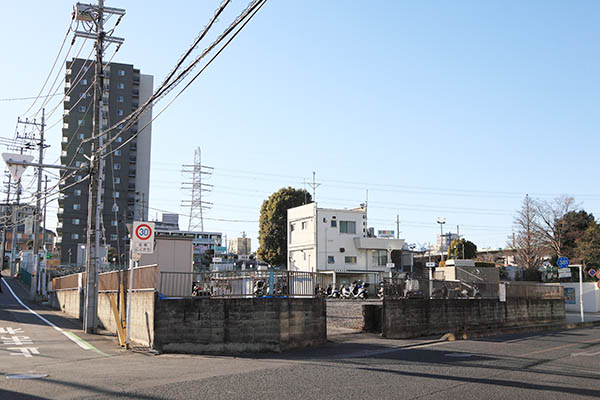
column 550, row 225
column 526, row 240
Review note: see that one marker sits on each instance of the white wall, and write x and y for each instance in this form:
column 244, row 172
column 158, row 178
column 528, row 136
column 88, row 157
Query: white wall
column 591, row 297
column 301, row 240
column 144, row 144
column 331, row 241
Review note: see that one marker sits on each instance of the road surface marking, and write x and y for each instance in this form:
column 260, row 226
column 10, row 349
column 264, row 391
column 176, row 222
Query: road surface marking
column 74, row 338
column 585, row 354
column 24, row 351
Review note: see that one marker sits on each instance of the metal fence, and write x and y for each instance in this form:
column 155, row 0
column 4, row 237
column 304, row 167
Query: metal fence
column 532, row 290
column 242, row 284
column 438, row 289
column 143, row 278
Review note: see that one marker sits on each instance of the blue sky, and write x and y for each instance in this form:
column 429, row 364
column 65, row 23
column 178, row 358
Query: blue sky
column 437, row 108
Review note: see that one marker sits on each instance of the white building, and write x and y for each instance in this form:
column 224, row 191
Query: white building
column 337, row 241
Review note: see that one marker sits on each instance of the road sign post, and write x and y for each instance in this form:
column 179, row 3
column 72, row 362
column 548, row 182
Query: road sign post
column 142, row 242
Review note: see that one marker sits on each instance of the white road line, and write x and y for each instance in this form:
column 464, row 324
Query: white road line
column 72, row 337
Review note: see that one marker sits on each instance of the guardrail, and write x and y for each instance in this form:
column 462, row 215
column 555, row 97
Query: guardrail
column 241, row 284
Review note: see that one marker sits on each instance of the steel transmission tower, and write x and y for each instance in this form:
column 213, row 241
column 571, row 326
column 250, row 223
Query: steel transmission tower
column 196, row 188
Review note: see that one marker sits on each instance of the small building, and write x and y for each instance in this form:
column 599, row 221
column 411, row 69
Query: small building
column 240, row 245
column 338, row 242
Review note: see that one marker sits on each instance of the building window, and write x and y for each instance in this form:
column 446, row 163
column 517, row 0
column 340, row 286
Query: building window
column 304, row 225
column 330, row 260
column 117, row 180
column 77, row 192
column 77, row 164
column 121, row 72
column 117, row 166
column 121, row 99
column 75, row 221
column 78, row 178
column 379, row 257
column 114, row 237
column 350, row 259
column 83, row 95
column 334, row 224
column 85, row 68
column 120, row 112
column 81, row 108
column 75, row 236
column 76, row 206
column 114, row 222
column 347, row 227
column 81, row 136
column 80, row 122
column 292, row 227
column 117, row 152
column 84, row 82
column 121, row 85
column 119, row 139
column 117, row 195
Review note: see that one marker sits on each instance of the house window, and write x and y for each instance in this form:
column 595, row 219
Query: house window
column 330, row 260
column 120, row 112
column 304, row 225
column 334, row 224
column 75, row 221
column 77, row 192
column 350, row 259
column 121, row 85
column 75, row 236
column 121, row 99
column 121, row 72
column 76, row 206
column 379, row 257
column 81, row 108
column 117, row 166
column 347, row 227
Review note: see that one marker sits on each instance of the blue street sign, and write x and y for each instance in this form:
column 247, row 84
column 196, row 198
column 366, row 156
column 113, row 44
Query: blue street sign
column 563, row 262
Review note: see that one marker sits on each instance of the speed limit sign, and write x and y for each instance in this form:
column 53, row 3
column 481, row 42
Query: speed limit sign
column 143, row 237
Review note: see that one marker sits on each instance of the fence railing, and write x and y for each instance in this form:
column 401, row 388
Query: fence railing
column 532, row 290
column 438, row 289
column 241, row 284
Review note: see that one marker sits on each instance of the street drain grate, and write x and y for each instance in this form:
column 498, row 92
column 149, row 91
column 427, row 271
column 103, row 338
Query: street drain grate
column 459, row 355
column 26, row 376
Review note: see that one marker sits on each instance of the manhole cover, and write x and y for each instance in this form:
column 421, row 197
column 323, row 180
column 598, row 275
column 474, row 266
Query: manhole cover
column 26, row 376
column 459, row 355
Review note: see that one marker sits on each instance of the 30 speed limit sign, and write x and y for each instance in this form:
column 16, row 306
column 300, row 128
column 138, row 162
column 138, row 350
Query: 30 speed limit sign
column 143, row 237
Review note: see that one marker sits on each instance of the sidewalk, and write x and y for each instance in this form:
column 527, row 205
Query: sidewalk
column 573, row 317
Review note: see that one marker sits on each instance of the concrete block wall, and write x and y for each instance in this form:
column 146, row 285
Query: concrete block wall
column 203, row 325
column 406, row 318
column 70, row 301
column 345, row 314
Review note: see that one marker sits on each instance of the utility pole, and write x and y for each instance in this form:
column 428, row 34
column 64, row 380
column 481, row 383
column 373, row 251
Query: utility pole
column 314, row 185
column 196, row 187
column 95, row 15
column 397, row 226
column 45, row 205
column 6, row 208
column 15, row 212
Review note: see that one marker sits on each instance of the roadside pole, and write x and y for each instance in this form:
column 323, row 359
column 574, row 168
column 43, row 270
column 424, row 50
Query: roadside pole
column 581, row 292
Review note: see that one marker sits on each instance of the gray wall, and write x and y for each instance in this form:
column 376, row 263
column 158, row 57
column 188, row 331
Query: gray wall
column 406, row 318
column 200, row 325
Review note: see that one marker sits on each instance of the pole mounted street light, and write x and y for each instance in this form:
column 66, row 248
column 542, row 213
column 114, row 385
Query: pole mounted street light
column 441, row 221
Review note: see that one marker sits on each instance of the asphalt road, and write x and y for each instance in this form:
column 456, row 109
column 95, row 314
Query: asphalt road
column 553, row 365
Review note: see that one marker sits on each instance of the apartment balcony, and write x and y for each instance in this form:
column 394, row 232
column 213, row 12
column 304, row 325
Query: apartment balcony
column 135, row 93
column 131, row 173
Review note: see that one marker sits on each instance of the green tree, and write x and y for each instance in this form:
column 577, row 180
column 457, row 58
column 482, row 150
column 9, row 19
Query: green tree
column 462, row 249
column 272, row 233
column 575, row 225
column 588, row 246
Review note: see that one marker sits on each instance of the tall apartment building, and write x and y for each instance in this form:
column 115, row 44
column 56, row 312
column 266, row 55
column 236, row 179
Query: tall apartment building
column 127, row 170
